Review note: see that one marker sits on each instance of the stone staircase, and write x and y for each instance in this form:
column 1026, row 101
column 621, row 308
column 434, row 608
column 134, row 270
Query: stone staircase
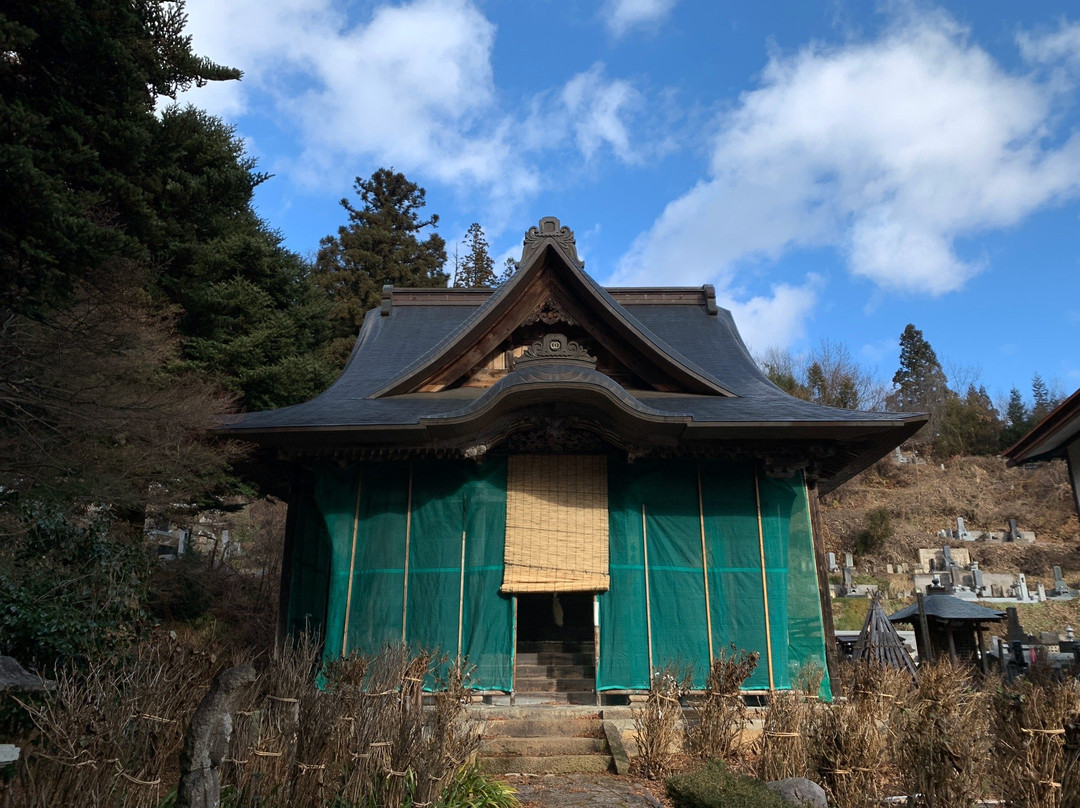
column 555, row 672
column 542, row 739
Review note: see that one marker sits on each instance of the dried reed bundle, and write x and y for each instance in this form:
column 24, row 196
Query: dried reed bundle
column 783, row 743
column 110, row 734
column 1029, row 727
column 847, row 744
column 721, row 712
column 943, row 745
column 657, row 723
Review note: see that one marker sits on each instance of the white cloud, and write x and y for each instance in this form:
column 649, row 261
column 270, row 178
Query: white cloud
column 1060, row 46
column 888, row 150
column 411, row 86
column 622, row 15
column 598, row 109
column 780, row 318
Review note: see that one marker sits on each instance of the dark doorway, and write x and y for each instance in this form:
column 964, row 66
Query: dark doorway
column 537, row 617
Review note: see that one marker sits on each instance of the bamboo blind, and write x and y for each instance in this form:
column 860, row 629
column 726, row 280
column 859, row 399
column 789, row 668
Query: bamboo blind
column 556, row 524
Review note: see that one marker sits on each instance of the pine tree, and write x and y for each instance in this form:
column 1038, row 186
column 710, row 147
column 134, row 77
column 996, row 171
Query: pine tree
column 920, row 381
column 380, row 245
column 477, row 268
column 510, row 266
column 1043, row 403
column 1017, row 417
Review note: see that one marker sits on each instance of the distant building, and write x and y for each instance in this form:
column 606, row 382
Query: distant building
column 1056, row 435
column 555, row 460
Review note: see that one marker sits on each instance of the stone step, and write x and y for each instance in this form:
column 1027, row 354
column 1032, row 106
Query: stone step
column 533, row 727
column 542, row 747
column 555, row 647
column 553, row 685
column 548, row 668
column 555, row 658
column 552, row 699
column 554, row 764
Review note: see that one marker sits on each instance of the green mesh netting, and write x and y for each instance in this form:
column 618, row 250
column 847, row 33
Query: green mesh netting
column 673, row 520
column 448, row 500
column 449, row 606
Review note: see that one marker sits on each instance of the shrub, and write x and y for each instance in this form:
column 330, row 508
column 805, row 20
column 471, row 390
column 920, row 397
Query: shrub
column 70, row 588
column 471, row 788
column 878, row 531
column 715, row 786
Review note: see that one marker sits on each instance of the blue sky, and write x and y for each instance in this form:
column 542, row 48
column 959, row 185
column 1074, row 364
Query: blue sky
column 837, row 169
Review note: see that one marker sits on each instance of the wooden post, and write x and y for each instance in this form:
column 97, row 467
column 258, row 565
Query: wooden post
column 596, row 642
column 982, row 652
column 513, row 652
column 952, row 642
column 824, row 590
column 924, row 627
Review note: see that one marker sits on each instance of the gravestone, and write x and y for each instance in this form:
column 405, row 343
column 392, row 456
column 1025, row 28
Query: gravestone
column 1042, row 593
column 832, row 563
column 1013, row 533
column 961, row 531
column 848, row 560
column 976, row 577
column 849, row 585
column 1021, row 584
column 1060, row 587
column 946, row 551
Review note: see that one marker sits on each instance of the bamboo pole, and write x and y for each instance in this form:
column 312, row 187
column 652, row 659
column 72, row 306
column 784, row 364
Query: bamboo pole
column 352, row 564
column 648, row 604
column 764, row 584
column 704, row 565
column 408, row 536
column 461, row 585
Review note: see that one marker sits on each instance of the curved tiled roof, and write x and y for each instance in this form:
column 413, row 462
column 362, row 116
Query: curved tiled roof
column 687, row 340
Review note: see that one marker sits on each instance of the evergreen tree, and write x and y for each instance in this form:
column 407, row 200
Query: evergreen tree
column 510, row 266
column 920, row 383
column 1017, row 418
column 477, row 268
column 79, row 81
column 248, row 312
column 1043, row 402
column 969, row 425
column 380, row 245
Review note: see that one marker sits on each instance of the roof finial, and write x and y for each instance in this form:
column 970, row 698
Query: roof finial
column 550, row 231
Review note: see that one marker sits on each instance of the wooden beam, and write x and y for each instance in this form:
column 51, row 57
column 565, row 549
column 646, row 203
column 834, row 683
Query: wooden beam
column 832, row 663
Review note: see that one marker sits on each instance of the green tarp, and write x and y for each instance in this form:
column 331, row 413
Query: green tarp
column 373, row 511
column 655, row 509
column 352, row 525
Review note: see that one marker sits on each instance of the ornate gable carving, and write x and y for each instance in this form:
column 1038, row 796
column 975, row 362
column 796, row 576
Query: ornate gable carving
column 550, row 231
column 556, row 348
column 549, row 313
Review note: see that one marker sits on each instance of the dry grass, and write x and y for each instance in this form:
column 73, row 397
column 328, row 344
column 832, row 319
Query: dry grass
column 111, row 736
column 1029, row 725
column 942, row 746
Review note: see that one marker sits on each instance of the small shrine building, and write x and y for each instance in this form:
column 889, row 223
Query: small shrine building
column 551, row 458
